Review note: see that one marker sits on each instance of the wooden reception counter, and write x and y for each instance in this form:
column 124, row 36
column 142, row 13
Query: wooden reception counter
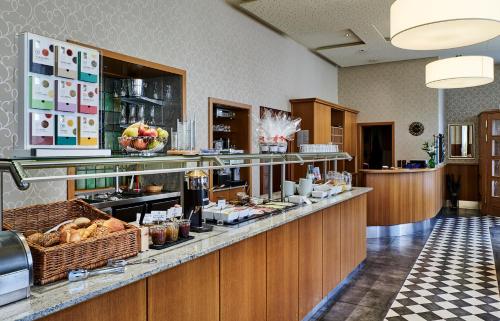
column 402, row 196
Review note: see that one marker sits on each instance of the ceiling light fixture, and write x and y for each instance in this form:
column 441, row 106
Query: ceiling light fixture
column 443, row 24
column 459, row 72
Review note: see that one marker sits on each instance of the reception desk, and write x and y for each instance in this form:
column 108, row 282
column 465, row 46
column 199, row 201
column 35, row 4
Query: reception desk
column 403, row 197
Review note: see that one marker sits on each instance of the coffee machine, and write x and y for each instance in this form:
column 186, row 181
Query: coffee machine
column 195, row 197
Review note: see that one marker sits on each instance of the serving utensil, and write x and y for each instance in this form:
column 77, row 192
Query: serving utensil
column 82, row 274
column 122, row 263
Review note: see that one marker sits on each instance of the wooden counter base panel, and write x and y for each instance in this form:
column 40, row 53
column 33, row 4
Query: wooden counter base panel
column 278, row 275
column 125, row 304
column 401, row 197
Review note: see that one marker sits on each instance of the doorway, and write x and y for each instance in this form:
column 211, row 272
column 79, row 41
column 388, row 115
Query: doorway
column 376, row 144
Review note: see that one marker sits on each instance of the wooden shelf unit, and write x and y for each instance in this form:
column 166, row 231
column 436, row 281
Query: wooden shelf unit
column 240, row 137
column 118, row 65
column 322, row 118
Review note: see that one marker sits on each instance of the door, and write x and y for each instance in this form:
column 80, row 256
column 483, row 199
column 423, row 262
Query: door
column 493, row 163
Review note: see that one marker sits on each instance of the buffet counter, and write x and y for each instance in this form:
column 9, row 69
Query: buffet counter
column 403, row 196
column 298, row 258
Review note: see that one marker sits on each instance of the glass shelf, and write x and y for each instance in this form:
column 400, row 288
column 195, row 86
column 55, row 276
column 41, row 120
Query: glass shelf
column 142, row 100
column 24, row 170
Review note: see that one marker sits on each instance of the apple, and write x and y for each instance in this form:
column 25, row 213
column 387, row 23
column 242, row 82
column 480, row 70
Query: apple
column 125, row 142
column 131, row 132
column 142, row 130
column 153, row 144
column 140, row 144
column 150, row 132
column 162, row 133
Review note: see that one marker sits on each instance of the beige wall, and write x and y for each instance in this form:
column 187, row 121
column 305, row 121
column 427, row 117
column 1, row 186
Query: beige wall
column 464, row 105
column 396, row 92
column 226, row 55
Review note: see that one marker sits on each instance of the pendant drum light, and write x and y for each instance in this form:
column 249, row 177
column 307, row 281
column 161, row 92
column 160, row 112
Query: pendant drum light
column 459, row 72
column 443, row 24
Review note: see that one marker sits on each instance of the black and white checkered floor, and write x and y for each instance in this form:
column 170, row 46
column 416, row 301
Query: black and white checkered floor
column 454, row 277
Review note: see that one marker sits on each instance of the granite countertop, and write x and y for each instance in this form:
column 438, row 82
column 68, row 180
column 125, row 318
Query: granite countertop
column 60, row 295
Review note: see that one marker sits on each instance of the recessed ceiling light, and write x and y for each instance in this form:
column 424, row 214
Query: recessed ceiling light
column 362, row 51
column 459, row 72
column 443, row 24
column 347, row 35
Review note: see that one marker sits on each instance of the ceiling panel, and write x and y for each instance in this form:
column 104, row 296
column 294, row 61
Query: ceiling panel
column 322, row 25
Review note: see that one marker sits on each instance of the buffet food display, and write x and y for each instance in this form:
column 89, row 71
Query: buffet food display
column 71, row 235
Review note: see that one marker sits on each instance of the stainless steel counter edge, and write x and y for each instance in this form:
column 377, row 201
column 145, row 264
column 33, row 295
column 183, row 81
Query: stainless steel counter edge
column 55, row 297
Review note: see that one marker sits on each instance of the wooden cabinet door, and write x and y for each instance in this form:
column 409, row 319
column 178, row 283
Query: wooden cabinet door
column 188, row 292
column 322, row 124
column 243, row 280
column 350, row 133
column 125, row 304
column 352, row 234
column 310, row 262
column 493, row 164
column 283, row 273
column 331, row 248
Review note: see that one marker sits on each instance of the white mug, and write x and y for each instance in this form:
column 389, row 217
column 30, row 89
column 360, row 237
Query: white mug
column 289, row 188
column 305, row 186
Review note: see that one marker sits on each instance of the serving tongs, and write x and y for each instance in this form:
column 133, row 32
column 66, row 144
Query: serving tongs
column 82, row 274
column 123, row 263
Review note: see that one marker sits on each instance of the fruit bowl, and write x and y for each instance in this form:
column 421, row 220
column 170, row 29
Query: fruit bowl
column 142, row 144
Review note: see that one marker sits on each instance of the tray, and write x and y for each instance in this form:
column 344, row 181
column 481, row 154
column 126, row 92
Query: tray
column 169, row 244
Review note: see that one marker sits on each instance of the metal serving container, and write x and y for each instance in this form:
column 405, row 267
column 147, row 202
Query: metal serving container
column 16, row 267
column 196, row 180
column 136, row 87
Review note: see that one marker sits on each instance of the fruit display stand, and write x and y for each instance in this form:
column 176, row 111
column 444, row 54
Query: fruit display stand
column 163, row 98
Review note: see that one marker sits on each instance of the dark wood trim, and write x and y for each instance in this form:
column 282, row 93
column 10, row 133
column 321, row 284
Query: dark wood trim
column 360, row 140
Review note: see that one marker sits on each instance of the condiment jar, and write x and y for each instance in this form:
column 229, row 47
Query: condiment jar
column 171, row 231
column 158, row 234
column 184, row 227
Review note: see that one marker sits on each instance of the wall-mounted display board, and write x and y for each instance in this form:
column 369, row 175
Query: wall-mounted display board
column 59, row 98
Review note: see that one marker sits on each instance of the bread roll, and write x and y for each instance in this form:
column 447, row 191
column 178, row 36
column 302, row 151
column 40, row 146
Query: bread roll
column 75, row 236
column 67, row 227
column 82, row 222
column 89, row 231
column 100, row 231
column 114, row 225
column 35, row 238
column 50, row 239
column 65, row 236
column 98, row 222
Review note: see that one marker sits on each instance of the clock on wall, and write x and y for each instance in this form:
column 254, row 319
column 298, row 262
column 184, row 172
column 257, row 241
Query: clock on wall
column 416, row 128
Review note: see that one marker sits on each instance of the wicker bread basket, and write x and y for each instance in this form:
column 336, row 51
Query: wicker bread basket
column 53, row 263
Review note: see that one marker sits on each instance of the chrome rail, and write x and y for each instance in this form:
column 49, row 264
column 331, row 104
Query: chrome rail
column 19, row 168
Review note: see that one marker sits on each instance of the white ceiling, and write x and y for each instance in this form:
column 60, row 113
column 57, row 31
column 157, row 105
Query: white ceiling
column 322, row 25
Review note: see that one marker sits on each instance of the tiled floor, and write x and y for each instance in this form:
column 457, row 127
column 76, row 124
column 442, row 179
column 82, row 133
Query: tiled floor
column 370, row 293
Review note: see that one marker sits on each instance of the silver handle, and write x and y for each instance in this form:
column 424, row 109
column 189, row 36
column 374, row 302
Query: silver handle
column 82, row 274
column 117, row 269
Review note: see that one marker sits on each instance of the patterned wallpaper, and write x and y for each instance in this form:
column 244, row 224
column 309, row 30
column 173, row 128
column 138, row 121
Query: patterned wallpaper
column 226, row 54
column 464, row 105
column 396, row 92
